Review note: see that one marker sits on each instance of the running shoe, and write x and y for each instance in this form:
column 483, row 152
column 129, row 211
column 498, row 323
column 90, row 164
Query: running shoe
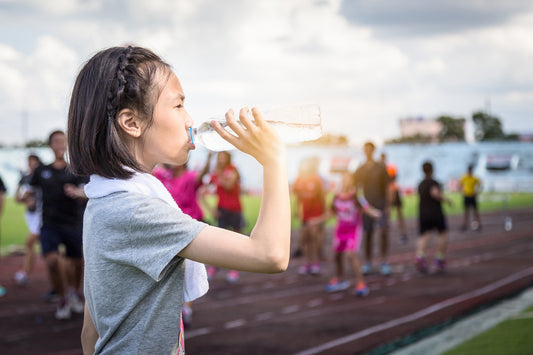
column 403, row 239
column 186, row 314
column 2, row 291
column 74, row 302
column 63, row 310
column 21, row 278
column 361, row 290
column 385, row 269
column 366, row 269
column 441, row 265
column 315, row 269
column 303, row 269
column 51, row 296
column 233, row 277
column 335, row 285
column 421, row 265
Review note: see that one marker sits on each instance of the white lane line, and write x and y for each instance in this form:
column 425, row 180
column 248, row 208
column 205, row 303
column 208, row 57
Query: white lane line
column 315, row 303
column 235, row 323
column 336, row 296
column 419, row 314
column 290, row 309
column 264, row 316
column 196, row 332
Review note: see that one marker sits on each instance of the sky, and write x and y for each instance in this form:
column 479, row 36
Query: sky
column 366, row 63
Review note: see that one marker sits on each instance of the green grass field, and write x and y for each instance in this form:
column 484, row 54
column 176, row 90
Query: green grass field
column 13, row 229
column 512, row 337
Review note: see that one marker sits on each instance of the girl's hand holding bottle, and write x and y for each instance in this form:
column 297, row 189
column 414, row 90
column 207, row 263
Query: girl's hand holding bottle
column 255, row 138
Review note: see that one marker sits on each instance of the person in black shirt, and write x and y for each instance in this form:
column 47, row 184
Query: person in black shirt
column 62, row 224
column 2, row 197
column 374, row 179
column 431, row 217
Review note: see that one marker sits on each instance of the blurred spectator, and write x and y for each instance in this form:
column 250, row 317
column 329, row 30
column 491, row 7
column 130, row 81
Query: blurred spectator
column 62, row 224
column 470, row 186
column 373, row 178
column 431, row 217
column 309, row 190
column 32, row 198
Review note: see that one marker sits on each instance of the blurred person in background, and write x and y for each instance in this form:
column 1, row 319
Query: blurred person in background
column 374, row 180
column 431, row 217
column 183, row 185
column 32, row 199
column 2, row 200
column 62, row 194
column 227, row 180
column 310, row 195
column 395, row 197
column 470, row 187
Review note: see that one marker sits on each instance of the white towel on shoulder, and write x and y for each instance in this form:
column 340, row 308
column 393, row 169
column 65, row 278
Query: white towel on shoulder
column 196, row 284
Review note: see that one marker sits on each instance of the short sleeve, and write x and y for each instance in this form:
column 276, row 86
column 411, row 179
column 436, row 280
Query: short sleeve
column 158, row 232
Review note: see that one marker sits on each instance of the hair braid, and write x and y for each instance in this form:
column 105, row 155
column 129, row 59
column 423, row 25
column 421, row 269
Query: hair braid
column 119, row 85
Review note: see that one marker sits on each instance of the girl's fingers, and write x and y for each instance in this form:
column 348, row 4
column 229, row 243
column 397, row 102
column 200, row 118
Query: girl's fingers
column 258, row 118
column 233, row 124
column 225, row 134
column 245, row 118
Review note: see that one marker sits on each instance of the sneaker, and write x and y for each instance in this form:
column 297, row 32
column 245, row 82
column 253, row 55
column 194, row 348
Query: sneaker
column 233, row 277
column 441, row 265
column 366, row 269
column 63, row 310
column 403, row 239
column 385, row 269
column 74, row 302
column 303, row 269
column 421, row 265
column 315, row 269
column 186, row 316
column 21, row 278
column 2, row 291
column 334, row 285
column 361, row 290
column 51, row 296
column 211, row 271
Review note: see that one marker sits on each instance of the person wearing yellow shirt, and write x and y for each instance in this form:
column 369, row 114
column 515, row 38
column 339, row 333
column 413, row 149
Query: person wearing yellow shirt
column 470, row 186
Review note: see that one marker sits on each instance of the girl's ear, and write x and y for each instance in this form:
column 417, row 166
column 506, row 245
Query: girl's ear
column 129, row 122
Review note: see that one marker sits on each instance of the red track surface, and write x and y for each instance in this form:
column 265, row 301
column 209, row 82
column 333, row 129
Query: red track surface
column 292, row 314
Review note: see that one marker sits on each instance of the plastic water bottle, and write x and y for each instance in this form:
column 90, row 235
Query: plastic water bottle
column 293, row 124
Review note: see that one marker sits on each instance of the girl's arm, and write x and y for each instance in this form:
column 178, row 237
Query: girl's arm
column 89, row 335
column 267, row 248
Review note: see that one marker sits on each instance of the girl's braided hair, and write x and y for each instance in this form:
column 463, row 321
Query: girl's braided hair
column 112, row 80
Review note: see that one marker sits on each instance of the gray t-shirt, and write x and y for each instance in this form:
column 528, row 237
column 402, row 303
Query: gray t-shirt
column 133, row 275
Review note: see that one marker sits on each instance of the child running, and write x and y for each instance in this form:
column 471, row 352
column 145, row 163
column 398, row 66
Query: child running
column 348, row 209
column 126, row 115
column 431, row 217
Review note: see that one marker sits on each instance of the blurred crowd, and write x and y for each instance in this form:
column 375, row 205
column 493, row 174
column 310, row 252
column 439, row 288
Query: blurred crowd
column 360, row 208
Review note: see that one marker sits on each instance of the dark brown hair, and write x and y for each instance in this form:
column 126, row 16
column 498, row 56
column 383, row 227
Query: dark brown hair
column 112, row 80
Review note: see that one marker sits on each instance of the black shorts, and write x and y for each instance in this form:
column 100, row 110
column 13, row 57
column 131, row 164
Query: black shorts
column 54, row 234
column 368, row 222
column 438, row 223
column 470, row 202
column 230, row 220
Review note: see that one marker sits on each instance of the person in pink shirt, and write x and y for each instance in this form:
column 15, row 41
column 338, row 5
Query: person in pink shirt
column 183, row 185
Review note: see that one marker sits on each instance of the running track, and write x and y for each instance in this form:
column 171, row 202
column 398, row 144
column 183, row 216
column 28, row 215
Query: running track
column 292, row 314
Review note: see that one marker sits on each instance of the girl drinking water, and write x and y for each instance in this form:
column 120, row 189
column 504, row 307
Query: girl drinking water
column 126, row 115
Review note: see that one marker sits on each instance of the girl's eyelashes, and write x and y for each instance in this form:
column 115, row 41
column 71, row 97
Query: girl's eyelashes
column 179, row 106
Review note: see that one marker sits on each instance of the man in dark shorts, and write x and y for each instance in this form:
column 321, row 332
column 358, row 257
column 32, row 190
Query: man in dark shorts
column 2, row 199
column 372, row 176
column 431, row 217
column 62, row 209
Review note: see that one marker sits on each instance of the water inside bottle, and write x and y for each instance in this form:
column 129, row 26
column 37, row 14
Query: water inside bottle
column 289, row 133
